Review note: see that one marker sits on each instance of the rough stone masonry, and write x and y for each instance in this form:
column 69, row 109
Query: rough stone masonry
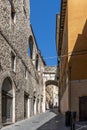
column 21, row 87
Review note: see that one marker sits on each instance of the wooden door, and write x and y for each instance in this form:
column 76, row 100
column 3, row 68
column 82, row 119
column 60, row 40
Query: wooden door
column 83, row 108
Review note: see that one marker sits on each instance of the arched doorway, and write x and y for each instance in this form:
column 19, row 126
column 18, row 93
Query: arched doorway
column 7, row 101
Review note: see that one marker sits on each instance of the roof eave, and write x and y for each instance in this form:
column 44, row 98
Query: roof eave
column 61, row 26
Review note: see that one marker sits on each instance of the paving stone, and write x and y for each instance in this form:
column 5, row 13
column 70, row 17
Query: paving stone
column 44, row 121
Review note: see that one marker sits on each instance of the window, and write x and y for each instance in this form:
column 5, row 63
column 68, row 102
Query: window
column 30, row 47
column 24, row 7
column 13, row 16
column 37, row 60
column 29, row 50
column 13, row 61
column 26, row 73
column 13, row 12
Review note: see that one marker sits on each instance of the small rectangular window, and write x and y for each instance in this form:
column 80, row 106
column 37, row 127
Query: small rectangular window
column 26, row 73
column 13, row 16
column 24, row 7
column 13, row 12
column 13, row 61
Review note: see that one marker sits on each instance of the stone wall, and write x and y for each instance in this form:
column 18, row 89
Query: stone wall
column 78, row 89
column 14, row 37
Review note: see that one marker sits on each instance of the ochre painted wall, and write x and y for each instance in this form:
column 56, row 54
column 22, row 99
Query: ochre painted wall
column 77, row 38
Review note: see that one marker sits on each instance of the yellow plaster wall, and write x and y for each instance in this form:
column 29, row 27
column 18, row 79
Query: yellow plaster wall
column 77, row 16
column 77, row 38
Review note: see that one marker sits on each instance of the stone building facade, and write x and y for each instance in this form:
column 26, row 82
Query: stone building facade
column 21, row 64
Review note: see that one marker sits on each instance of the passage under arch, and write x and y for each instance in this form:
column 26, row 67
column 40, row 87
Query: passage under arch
column 52, row 91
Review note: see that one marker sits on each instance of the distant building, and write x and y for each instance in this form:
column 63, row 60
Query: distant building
column 51, row 96
column 71, row 37
column 51, row 87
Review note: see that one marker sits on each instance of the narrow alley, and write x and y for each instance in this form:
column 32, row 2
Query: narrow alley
column 43, row 65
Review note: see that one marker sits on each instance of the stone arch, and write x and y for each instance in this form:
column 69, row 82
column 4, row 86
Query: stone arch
column 51, row 94
column 30, row 47
column 53, row 82
column 8, row 101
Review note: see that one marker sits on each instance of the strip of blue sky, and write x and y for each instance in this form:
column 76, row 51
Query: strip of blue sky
column 43, row 20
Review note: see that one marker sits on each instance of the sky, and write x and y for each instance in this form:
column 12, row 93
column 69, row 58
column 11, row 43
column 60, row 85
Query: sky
column 43, row 21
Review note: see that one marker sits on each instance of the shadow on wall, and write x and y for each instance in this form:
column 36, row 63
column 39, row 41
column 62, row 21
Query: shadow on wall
column 78, row 60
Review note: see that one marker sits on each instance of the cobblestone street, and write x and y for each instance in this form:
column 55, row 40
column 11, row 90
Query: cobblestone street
column 45, row 121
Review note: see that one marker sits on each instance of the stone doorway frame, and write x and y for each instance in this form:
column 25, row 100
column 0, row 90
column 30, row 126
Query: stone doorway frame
column 13, row 99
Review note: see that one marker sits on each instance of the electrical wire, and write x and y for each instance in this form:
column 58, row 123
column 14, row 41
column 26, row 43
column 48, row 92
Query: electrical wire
column 76, row 53
column 52, row 57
